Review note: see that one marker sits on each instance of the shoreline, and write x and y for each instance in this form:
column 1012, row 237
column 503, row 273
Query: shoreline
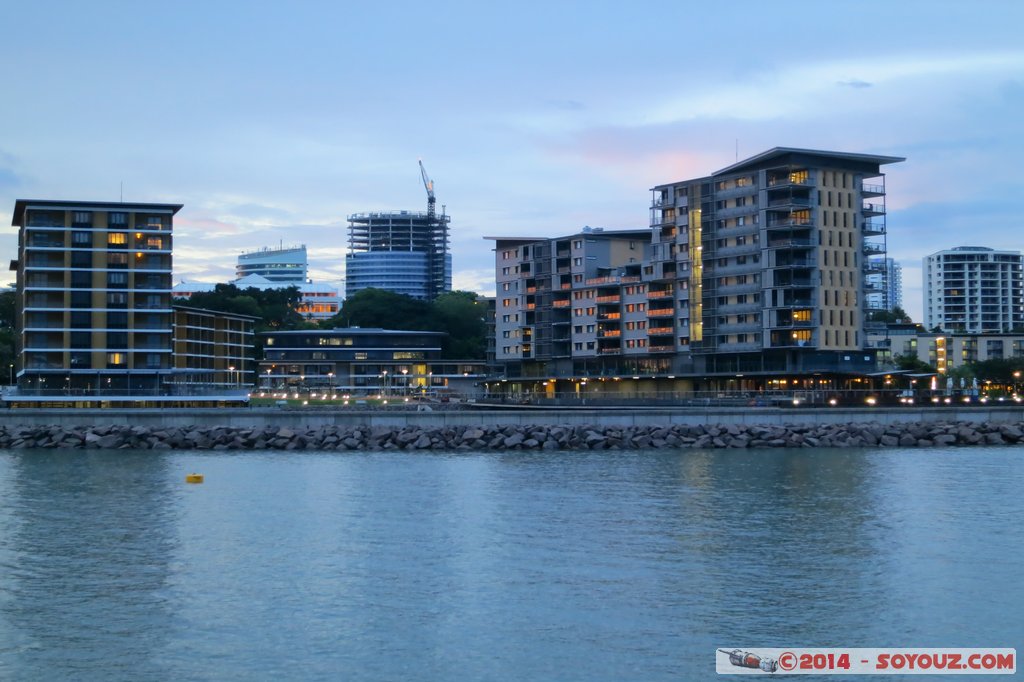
column 511, row 437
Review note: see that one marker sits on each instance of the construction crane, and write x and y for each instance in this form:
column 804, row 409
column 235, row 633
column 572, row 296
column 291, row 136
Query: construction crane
column 429, row 185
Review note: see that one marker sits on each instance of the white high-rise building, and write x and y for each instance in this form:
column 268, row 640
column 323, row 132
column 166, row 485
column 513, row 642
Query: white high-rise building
column 284, row 264
column 884, row 284
column 974, row 289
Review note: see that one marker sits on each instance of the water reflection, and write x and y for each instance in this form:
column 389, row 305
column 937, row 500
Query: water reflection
column 389, row 565
column 84, row 551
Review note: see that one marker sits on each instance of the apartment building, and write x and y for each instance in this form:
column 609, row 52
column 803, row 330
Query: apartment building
column 95, row 325
column 974, row 289
column 755, row 270
column 213, row 350
column 884, row 284
column 94, row 290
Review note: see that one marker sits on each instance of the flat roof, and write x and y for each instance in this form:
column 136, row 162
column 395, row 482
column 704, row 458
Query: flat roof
column 779, row 152
column 175, row 306
column 601, row 232
column 355, row 331
column 21, row 204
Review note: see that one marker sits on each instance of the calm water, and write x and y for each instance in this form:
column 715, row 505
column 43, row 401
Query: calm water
column 588, row 566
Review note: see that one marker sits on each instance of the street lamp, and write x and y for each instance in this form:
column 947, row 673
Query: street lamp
column 12, row 374
column 330, row 381
column 405, row 380
column 231, row 376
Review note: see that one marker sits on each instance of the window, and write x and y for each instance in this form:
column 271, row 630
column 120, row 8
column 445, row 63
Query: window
column 117, row 219
column 117, row 260
column 117, row 299
column 359, row 355
column 117, row 239
column 578, row 244
column 115, row 279
column 81, row 219
column 81, row 239
column 117, row 359
column 577, row 261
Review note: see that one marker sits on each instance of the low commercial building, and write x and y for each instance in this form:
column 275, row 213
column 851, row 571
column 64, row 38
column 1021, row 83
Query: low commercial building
column 364, row 361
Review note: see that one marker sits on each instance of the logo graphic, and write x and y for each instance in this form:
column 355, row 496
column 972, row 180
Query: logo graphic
column 745, row 659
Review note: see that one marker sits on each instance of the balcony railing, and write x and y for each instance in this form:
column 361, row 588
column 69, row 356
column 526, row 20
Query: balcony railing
column 661, row 312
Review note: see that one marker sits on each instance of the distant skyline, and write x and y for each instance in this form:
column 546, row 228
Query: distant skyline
column 272, row 122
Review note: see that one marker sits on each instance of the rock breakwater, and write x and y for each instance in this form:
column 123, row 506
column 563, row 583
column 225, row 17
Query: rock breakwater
column 517, row 437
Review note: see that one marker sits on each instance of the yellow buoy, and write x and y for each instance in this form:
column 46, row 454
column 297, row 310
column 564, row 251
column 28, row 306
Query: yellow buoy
column 194, row 478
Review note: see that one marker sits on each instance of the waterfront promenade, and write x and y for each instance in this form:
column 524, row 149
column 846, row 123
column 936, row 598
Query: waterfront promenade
column 505, row 416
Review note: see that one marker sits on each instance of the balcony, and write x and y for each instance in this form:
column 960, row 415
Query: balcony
column 872, row 209
column 561, row 304
column 739, row 328
column 746, row 288
column 873, row 249
column 608, row 299
column 791, row 243
column 735, row 211
column 789, row 202
column 790, row 222
column 659, row 294
column 602, row 317
column 660, row 331
column 795, row 179
column 873, row 227
column 797, row 263
column 737, row 250
column 609, row 333
column 870, row 190
column 661, row 348
column 661, row 312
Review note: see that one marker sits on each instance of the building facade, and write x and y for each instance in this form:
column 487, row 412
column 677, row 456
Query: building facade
column 974, row 289
column 283, row 265
column 94, row 291
column 213, row 350
column 95, row 324
column 884, row 280
column 756, row 270
column 363, row 362
column 401, row 251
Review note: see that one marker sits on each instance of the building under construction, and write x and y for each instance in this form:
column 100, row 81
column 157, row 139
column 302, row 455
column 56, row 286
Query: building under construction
column 405, row 252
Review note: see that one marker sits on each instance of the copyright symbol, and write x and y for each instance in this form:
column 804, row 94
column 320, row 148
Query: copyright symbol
column 787, row 661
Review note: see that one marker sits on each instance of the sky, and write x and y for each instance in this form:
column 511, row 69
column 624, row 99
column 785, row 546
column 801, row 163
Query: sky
column 272, row 121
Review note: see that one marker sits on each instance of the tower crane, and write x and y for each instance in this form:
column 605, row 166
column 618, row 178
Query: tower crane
column 429, row 185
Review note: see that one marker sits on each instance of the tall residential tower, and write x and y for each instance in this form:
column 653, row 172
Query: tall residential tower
column 974, row 289
column 756, row 270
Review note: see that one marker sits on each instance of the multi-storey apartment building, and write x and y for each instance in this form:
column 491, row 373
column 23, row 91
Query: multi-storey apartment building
column 213, row 349
column 754, row 271
column 884, row 282
column 974, row 289
column 95, row 325
column 94, row 290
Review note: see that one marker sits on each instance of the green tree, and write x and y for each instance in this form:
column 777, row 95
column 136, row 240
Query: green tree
column 909, row 361
column 458, row 313
column 274, row 308
column 462, row 316
column 384, row 309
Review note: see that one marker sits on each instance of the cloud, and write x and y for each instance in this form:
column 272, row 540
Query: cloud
column 854, row 83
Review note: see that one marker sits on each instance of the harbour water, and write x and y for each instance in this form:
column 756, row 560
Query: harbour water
column 497, row 566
